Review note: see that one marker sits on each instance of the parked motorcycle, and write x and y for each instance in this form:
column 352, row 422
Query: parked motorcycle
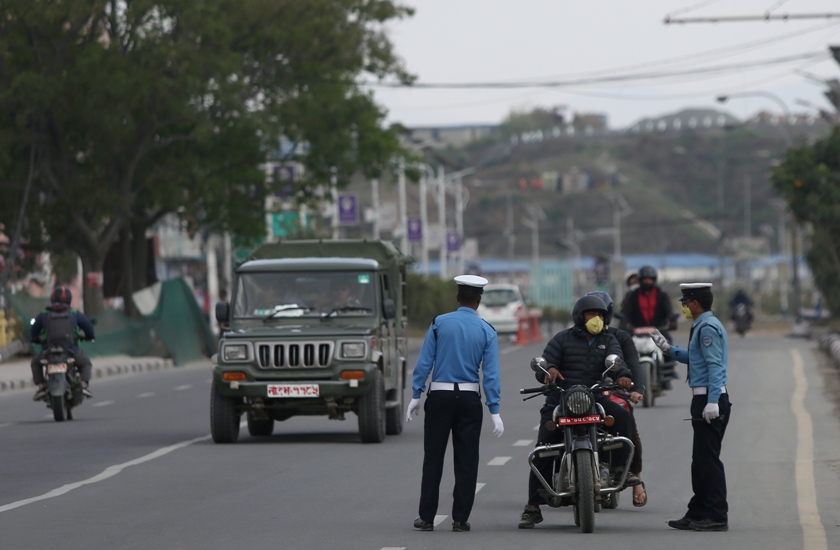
column 64, row 385
column 584, row 475
column 742, row 318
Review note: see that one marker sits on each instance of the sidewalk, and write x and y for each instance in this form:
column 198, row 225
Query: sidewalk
column 17, row 375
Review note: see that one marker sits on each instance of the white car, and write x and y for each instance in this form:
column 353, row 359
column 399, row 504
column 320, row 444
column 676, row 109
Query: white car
column 502, row 306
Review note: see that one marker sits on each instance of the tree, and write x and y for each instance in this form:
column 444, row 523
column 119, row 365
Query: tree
column 139, row 108
column 809, row 179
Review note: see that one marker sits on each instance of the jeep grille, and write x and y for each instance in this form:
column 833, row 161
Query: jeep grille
column 297, row 355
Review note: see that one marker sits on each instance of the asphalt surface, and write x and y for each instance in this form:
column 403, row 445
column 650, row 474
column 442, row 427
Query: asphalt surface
column 136, row 470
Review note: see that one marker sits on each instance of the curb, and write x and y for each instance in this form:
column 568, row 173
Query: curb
column 101, row 372
column 830, row 343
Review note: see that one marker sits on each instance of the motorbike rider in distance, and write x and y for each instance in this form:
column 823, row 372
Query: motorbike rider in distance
column 576, row 357
column 631, row 359
column 57, row 326
column 741, row 298
column 648, row 306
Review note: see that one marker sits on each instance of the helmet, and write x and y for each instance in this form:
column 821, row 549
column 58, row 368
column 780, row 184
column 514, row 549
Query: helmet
column 61, row 295
column 608, row 301
column 632, row 275
column 587, row 303
column 647, row 272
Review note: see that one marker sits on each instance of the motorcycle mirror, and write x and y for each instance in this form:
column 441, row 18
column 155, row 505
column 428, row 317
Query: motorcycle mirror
column 613, row 362
column 539, row 364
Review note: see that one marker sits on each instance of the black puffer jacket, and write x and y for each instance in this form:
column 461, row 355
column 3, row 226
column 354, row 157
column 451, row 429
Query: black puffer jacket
column 580, row 362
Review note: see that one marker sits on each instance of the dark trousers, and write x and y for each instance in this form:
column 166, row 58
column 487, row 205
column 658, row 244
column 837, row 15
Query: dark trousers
column 708, row 479
column 636, row 464
column 623, row 426
column 460, row 413
column 83, row 364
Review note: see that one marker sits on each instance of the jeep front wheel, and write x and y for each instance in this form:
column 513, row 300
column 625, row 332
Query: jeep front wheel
column 224, row 418
column 371, row 412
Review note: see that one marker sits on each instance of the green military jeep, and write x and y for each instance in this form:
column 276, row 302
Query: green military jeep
column 314, row 328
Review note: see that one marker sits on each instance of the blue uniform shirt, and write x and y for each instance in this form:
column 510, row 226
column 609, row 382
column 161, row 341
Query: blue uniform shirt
column 707, row 355
column 456, row 346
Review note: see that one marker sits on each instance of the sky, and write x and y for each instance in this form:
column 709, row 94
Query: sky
column 502, row 41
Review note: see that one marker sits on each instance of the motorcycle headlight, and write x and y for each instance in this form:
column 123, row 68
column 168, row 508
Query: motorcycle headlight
column 235, row 352
column 352, row 350
column 579, row 402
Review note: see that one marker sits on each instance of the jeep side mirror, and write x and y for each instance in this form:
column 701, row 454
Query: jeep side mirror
column 389, row 308
column 222, row 312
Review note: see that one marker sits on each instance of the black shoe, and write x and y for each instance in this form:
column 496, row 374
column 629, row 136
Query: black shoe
column 40, row 395
column 423, row 525
column 86, row 392
column 709, row 525
column 530, row 517
column 683, row 524
column 459, row 526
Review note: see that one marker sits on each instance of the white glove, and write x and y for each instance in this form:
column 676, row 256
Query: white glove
column 710, row 412
column 413, row 407
column 660, row 341
column 498, row 425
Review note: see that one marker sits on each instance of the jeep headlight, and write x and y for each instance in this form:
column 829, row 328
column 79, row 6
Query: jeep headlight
column 352, row 350
column 235, row 352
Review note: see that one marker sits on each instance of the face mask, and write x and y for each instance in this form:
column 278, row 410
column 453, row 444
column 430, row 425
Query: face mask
column 687, row 312
column 595, row 325
column 646, row 286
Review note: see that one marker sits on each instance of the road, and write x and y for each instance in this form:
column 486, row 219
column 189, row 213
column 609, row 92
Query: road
column 136, row 470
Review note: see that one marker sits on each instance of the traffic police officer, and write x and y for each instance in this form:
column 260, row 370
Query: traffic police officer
column 706, row 358
column 457, row 345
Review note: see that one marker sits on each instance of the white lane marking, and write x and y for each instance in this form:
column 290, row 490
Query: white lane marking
column 393, row 548
column 48, row 415
column 499, row 461
column 508, row 350
column 4, row 425
column 144, row 395
column 813, row 532
column 439, row 520
column 208, row 381
column 479, row 486
column 109, row 472
column 184, row 387
column 523, row 442
column 103, row 404
column 537, row 427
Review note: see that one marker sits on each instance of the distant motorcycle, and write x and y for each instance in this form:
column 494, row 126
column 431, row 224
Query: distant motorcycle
column 584, row 476
column 64, row 385
column 742, row 318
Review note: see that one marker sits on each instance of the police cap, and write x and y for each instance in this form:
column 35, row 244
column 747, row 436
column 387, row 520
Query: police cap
column 472, row 281
column 692, row 291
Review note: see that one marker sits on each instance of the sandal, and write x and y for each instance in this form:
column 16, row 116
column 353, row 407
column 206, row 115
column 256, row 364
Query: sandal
column 644, row 492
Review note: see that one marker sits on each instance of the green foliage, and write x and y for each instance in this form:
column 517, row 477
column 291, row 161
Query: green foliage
column 809, row 179
column 138, row 108
column 429, row 297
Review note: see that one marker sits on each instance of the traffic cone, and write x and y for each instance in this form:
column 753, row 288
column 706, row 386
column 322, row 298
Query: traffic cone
column 536, row 335
column 522, row 334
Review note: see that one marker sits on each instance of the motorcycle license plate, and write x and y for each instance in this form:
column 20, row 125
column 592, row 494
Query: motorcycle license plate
column 293, row 390
column 57, row 368
column 569, row 421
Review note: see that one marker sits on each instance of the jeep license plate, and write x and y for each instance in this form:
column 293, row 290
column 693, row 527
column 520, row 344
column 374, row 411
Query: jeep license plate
column 293, row 390
column 57, row 368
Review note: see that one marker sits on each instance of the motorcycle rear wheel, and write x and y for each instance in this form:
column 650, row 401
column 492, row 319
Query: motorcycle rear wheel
column 59, row 407
column 585, row 507
column 650, row 396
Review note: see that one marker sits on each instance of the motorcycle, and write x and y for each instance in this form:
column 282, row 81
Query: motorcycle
column 657, row 375
column 742, row 318
column 583, row 474
column 64, row 384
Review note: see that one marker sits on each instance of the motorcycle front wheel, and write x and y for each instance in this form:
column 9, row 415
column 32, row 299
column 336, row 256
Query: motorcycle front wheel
column 585, row 507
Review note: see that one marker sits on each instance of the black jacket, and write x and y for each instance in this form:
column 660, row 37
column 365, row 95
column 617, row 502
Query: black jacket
column 630, row 353
column 631, row 313
column 580, row 362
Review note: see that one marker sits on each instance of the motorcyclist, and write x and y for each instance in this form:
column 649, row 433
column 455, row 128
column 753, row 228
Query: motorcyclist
column 649, row 306
column 631, row 358
column 57, row 326
column 741, row 298
column 576, row 356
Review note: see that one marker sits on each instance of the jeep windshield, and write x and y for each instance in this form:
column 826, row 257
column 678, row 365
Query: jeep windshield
column 283, row 294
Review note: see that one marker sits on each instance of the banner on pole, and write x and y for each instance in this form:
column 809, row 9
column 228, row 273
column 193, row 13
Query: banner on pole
column 348, row 210
column 415, row 230
column 453, row 242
